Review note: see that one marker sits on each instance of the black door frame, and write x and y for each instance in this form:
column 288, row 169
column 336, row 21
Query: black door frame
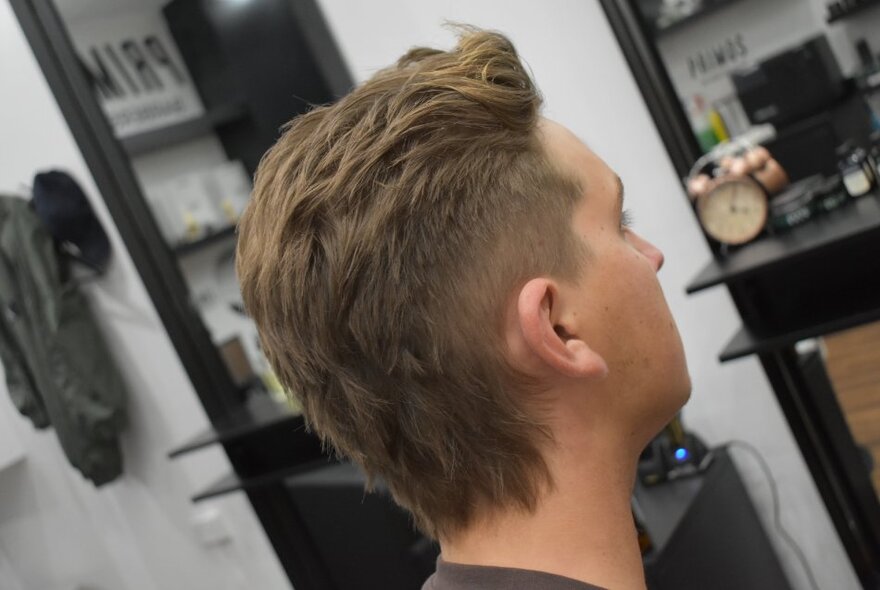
column 806, row 397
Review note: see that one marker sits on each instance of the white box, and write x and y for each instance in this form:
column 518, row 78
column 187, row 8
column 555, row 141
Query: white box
column 191, row 203
column 230, row 187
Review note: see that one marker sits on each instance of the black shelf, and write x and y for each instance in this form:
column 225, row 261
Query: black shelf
column 853, row 220
column 861, row 7
column 745, row 342
column 187, row 247
column 149, row 141
column 260, row 413
column 709, row 8
column 233, row 483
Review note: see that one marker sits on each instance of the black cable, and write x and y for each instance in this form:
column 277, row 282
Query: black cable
column 777, row 519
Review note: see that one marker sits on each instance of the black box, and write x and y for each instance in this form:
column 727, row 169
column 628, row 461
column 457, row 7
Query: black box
column 790, row 85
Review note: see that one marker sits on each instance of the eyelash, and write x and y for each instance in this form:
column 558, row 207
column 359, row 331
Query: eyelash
column 626, row 219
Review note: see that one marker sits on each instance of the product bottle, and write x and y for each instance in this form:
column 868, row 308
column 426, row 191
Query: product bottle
column 719, row 129
column 855, row 171
column 700, row 123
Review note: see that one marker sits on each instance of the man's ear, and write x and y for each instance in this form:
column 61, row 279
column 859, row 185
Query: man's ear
column 540, row 316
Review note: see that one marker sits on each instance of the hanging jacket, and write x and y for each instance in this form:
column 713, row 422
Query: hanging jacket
column 59, row 371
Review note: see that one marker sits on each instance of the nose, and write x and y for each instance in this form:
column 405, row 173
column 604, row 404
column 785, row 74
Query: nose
column 649, row 251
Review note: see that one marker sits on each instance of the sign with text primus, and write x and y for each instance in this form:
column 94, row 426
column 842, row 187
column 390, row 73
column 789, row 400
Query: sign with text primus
column 136, row 71
column 719, row 58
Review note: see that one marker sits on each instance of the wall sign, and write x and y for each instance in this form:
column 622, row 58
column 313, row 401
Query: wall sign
column 700, row 55
column 136, row 71
column 720, row 57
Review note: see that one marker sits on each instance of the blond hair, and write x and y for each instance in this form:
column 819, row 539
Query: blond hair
column 385, row 236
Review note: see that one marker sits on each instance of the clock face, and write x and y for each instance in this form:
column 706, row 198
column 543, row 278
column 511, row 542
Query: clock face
column 734, row 212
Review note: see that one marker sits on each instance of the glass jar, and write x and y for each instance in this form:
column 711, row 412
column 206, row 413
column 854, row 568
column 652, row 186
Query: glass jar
column 855, row 171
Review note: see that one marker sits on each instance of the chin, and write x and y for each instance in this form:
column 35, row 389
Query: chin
column 685, row 390
column 679, row 395
column 671, row 401
column 669, row 391
column 680, row 389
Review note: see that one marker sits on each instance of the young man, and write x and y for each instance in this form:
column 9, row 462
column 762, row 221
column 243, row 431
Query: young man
column 445, row 280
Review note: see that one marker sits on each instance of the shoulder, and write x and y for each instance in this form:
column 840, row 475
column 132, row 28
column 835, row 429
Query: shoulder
column 456, row 576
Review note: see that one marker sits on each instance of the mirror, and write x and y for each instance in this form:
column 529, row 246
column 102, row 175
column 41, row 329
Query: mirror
column 196, row 92
column 802, row 78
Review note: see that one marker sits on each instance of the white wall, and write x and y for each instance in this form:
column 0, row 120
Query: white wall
column 587, row 85
column 57, row 532
column 765, row 28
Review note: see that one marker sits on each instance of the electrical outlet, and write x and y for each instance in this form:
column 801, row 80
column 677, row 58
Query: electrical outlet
column 211, row 527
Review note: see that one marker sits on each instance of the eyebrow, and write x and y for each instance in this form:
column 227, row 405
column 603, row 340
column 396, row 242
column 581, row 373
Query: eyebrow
column 620, row 194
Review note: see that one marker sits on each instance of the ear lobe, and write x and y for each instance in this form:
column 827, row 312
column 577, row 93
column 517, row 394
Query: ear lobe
column 538, row 313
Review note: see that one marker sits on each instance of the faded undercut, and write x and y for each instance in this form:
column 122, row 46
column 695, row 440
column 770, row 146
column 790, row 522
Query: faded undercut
column 384, row 239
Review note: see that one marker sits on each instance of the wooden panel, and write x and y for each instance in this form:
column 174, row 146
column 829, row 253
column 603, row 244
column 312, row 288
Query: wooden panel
column 853, row 362
column 865, row 425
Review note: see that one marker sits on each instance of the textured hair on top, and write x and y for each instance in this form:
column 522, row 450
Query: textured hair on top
column 385, row 237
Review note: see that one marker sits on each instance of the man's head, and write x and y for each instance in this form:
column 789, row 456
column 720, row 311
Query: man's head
column 390, row 255
column 606, row 343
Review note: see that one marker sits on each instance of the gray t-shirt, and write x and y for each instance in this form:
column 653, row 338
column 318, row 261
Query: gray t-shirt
column 457, row 576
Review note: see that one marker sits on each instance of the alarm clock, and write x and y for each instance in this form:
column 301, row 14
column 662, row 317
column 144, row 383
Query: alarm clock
column 734, row 211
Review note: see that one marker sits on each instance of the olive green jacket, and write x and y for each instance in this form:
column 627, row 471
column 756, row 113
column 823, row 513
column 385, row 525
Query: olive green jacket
column 58, row 369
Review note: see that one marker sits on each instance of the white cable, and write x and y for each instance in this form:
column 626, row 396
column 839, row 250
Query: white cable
column 777, row 520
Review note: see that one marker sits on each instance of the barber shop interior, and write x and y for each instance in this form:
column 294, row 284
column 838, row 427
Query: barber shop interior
column 410, row 294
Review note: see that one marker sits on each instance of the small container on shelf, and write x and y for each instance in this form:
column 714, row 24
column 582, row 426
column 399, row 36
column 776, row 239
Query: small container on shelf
column 701, row 122
column 794, row 205
column 830, row 195
column 855, row 170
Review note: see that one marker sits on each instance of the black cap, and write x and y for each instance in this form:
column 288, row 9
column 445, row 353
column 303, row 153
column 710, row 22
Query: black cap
column 65, row 211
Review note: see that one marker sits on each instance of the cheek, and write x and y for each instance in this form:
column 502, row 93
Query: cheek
column 638, row 318
column 614, row 300
column 638, row 288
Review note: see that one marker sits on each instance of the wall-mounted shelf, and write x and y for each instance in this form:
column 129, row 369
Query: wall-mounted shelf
column 149, row 141
column 708, row 8
column 187, row 247
column 233, row 483
column 267, row 441
column 813, row 248
column 745, row 342
column 852, row 11
column 260, row 413
column 854, row 220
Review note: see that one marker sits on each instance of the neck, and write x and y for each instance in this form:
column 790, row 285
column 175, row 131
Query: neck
column 583, row 528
